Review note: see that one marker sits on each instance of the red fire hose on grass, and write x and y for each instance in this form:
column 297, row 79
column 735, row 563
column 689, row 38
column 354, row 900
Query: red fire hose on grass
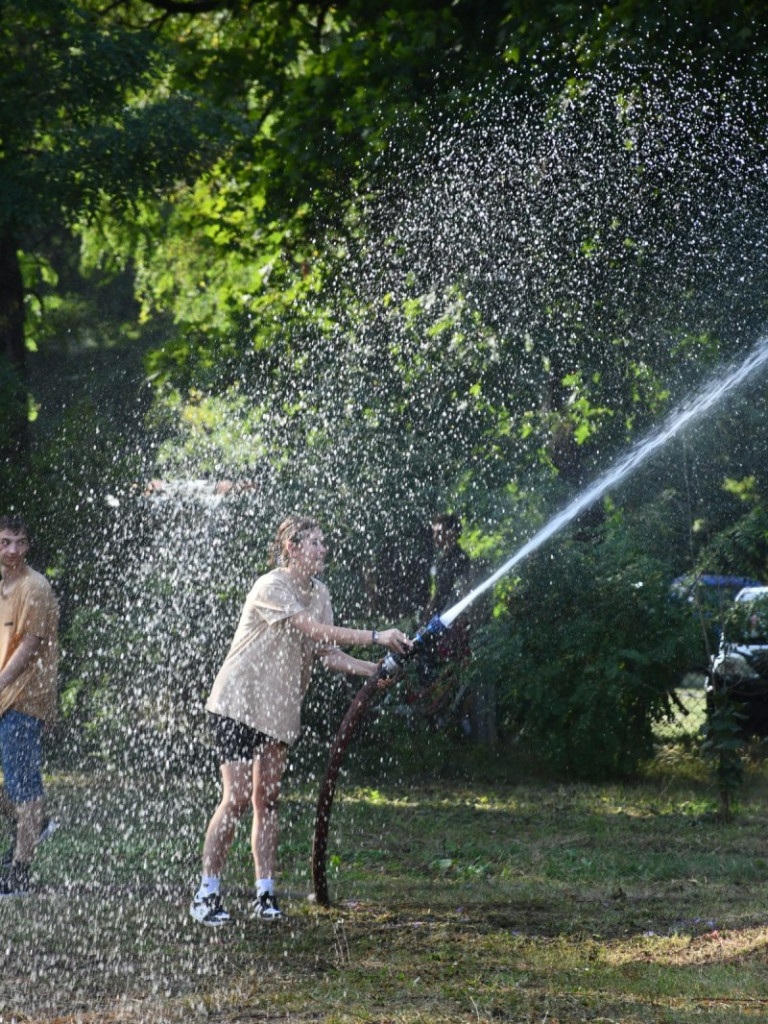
column 362, row 700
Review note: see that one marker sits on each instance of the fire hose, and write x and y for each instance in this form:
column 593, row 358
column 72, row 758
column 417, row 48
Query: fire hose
column 388, row 668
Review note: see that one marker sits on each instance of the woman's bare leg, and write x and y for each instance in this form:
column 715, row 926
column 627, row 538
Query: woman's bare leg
column 235, row 798
column 268, row 770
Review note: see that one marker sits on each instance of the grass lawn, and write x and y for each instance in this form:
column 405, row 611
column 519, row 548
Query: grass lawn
column 453, row 901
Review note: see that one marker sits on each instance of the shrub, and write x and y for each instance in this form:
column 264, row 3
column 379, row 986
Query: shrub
column 585, row 650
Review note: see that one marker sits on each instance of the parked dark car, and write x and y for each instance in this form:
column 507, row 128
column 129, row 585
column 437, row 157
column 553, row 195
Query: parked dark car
column 711, row 593
column 740, row 667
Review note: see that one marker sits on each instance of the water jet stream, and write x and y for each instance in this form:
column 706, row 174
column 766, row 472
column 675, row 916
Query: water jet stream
column 622, row 469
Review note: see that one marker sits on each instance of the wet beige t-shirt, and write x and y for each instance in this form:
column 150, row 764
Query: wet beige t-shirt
column 31, row 609
column 266, row 674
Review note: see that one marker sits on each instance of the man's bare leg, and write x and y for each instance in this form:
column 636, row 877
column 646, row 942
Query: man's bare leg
column 29, row 825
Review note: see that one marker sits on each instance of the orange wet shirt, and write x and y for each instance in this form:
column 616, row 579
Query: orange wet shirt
column 31, row 609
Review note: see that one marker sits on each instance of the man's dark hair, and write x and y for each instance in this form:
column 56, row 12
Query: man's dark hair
column 447, row 521
column 14, row 524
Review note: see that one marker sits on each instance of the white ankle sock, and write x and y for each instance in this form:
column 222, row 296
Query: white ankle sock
column 265, row 885
column 209, row 885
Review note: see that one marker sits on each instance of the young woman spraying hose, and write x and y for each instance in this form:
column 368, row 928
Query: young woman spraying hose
column 255, row 704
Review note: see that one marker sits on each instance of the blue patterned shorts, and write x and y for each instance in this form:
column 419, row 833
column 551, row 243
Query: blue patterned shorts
column 21, row 755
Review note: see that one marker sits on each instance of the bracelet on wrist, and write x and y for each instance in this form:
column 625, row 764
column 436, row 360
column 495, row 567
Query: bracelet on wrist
column 374, row 637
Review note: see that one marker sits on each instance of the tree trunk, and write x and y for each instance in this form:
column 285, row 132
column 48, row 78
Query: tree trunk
column 483, row 714
column 12, row 348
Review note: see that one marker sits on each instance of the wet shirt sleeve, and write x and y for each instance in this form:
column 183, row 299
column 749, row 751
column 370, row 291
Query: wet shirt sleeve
column 322, row 610
column 273, row 600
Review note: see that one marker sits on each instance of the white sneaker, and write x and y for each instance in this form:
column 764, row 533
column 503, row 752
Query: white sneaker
column 209, row 910
column 265, row 907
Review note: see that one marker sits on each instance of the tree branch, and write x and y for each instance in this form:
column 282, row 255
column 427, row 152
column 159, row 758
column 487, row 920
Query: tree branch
column 206, row 6
column 178, row 6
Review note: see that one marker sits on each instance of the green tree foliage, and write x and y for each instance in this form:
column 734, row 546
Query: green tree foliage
column 259, row 260
column 319, row 91
column 85, row 118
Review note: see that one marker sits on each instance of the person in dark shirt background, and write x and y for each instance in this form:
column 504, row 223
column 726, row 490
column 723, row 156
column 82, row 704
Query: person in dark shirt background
column 450, row 571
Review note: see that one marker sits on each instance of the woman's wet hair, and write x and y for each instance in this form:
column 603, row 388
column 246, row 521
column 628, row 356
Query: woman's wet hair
column 292, row 530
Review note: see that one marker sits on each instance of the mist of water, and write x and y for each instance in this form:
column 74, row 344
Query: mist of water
column 626, row 227
column 621, row 231
column 642, row 451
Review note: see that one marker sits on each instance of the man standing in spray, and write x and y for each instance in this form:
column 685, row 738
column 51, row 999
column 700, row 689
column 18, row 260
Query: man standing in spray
column 29, row 621
column 450, row 571
column 255, row 704
column 450, row 580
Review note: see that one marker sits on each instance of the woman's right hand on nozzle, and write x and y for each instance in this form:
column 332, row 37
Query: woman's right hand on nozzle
column 394, row 640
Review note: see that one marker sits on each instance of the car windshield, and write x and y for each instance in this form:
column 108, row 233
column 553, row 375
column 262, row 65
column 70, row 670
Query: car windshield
column 747, row 621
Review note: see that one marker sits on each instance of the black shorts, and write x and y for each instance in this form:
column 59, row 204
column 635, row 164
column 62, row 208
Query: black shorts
column 235, row 741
